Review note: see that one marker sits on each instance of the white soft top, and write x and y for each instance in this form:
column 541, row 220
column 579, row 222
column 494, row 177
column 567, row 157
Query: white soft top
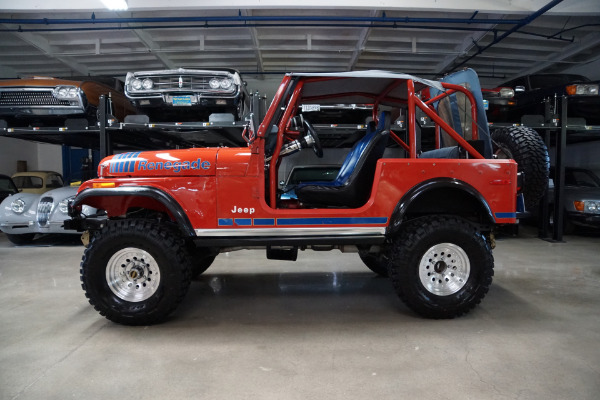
column 373, row 73
column 360, row 86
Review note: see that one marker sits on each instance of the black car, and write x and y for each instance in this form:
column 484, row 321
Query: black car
column 582, row 199
column 536, row 99
column 189, row 95
column 7, row 187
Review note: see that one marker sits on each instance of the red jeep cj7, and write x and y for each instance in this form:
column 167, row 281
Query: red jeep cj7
column 423, row 217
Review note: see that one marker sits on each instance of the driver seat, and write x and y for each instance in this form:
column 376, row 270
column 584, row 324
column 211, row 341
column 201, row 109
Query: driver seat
column 352, row 186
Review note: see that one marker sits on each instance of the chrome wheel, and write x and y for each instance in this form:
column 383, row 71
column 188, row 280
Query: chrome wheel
column 444, row 269
column 132, row 274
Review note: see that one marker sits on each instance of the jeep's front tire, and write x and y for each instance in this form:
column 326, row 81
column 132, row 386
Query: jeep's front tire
column 135, row 272
column 441, row 266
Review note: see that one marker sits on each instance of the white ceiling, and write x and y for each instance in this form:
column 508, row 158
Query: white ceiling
column 256, row 39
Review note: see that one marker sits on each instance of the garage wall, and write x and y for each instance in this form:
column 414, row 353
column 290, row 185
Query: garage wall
column 37, row 155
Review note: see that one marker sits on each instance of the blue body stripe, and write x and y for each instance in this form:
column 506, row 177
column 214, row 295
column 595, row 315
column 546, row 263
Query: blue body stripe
column 330, row 221
column 264, row 222
column 127, row 164
column 304, row 221
column 506, row 215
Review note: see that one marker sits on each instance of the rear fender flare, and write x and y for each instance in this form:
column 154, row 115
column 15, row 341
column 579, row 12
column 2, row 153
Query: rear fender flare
column 417, row 192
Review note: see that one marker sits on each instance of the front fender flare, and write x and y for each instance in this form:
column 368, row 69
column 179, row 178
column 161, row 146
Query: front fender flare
column 158, row 195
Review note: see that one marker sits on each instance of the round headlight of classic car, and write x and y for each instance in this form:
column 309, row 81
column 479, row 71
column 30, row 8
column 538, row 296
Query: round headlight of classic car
column 226, row 84
column 18, row 206
column 136, row 84
column 147, row 84
column 65, row 92
column 592, row 206
column 63, row 206
column 214, row 83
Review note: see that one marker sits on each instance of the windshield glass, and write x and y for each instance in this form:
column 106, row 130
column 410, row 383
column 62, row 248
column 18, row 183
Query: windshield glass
column 6, row 186
column 28, row 182
column 581, row 177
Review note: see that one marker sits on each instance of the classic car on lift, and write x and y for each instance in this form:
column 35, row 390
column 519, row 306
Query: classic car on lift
column 538, row 97
column 185, row 95
column 44, row 101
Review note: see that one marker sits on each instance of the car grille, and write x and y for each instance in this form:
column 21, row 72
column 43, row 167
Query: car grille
column 30, row 98
column 44, row 209
column 182, row 82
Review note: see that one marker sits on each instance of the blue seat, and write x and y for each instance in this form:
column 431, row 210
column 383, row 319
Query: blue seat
column 352, row 186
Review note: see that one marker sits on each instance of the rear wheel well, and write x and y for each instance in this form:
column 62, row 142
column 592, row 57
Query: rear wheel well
column 448, row 201
column 443, row 199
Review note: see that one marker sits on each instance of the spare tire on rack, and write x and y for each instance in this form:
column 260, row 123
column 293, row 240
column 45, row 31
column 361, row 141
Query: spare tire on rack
column 526, row 147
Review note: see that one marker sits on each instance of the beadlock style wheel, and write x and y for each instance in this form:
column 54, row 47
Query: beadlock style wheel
column 132, row 274
column 135, row 271
column 444, row 269
column 441, row 265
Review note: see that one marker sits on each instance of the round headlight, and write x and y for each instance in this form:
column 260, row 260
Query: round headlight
column 136, row 84
column 72, row 92
column 63, row 92
column 507, row 92
column 63, row 206
column 226, row 84
column 18, row 206
column 147, row 84
column 592, row 206
column 214, row 83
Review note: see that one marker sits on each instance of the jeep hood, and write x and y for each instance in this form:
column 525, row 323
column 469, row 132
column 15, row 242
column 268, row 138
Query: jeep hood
column 188, row 162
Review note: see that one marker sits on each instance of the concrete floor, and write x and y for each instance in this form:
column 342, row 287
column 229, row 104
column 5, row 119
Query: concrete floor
column 321, row 328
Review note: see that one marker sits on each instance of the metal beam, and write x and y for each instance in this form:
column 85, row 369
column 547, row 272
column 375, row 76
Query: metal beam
column 590, row 40
column 361, row 43
column 579, row 7
column 42, row 45
column 146, row 39
column 255, row 44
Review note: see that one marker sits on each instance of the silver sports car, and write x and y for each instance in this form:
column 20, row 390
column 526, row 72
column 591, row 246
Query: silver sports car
column 23, row 215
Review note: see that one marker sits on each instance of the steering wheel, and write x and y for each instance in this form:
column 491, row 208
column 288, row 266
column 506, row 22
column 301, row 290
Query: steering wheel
column 311, row 132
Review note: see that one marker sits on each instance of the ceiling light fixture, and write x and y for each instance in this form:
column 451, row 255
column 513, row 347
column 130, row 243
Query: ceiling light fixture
column 115, row 5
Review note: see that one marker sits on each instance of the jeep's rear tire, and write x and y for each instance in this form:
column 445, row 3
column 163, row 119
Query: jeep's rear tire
column 21, row 239
column 441, row 266
column 375, row 262
column 527, row 148
column 135, row 272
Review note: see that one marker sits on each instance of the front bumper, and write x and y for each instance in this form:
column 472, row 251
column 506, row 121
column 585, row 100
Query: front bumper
column 29, row 226
column 583, row 219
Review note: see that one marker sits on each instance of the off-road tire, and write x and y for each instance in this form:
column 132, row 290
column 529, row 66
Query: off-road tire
column 527, row 148
column 145, row 250
column 441, row 266
column 375, row 262
column 21, row 239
